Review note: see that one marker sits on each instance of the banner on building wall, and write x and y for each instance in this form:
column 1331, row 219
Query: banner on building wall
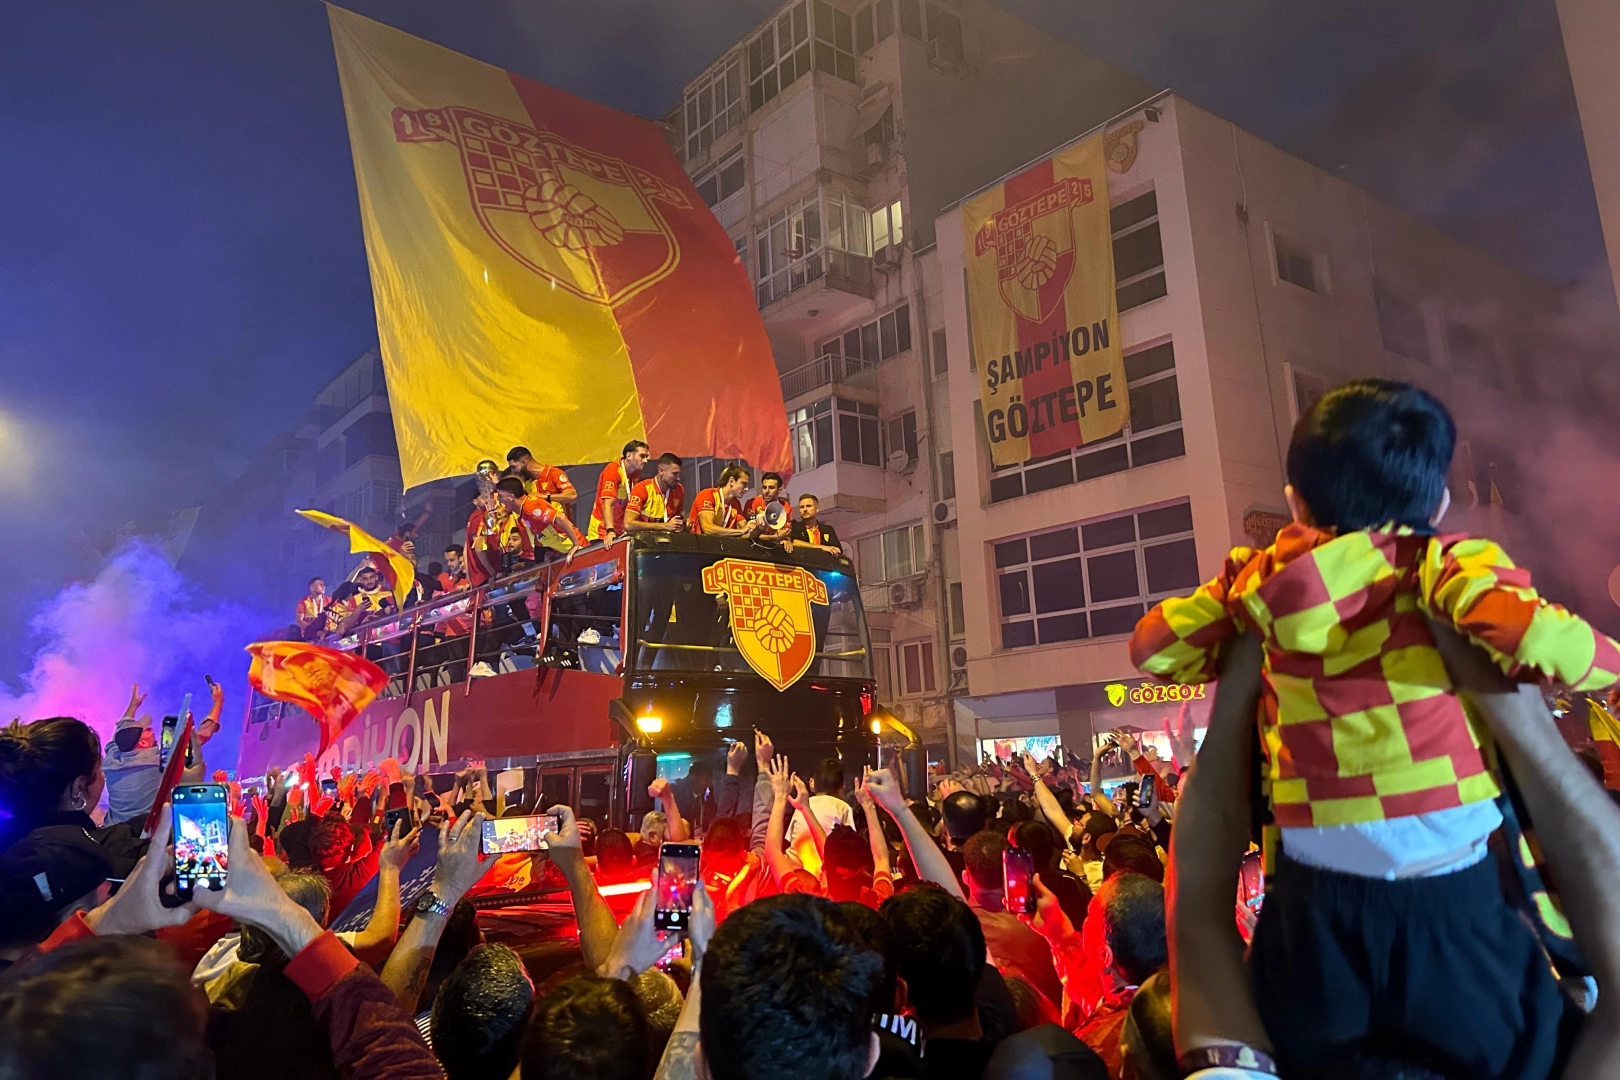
column 1040, row 283
column 544, row 273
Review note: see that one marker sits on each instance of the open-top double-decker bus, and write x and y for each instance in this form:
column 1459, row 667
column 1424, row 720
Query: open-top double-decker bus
column 626, row 662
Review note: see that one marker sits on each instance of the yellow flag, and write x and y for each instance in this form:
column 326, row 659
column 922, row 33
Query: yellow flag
column 544, row 273
column 1045, row 322
column 394, row 567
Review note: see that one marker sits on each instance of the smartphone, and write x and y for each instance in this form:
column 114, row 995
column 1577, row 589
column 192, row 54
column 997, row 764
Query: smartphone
column 1017, row 870
column 166, row 736
column 329, row 788
column 394, row 817
column 503, row 835
column 1146, row 792
column 201, row 832
column 677, row 877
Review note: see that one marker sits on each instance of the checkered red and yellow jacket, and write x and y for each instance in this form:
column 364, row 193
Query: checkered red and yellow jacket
column 1359, row 719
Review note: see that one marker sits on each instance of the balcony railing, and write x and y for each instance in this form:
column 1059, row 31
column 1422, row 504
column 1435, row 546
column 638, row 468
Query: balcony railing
column 826, row 370
column 842, row 270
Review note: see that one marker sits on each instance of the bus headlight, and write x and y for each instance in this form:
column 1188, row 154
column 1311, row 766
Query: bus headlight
column 651, row 725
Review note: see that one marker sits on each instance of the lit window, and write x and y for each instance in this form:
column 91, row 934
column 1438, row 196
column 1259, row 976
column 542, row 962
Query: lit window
column 1095, row 579
column 887, row 227
column 811, row 433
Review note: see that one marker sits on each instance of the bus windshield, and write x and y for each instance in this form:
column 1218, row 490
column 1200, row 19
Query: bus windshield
column 679, row 627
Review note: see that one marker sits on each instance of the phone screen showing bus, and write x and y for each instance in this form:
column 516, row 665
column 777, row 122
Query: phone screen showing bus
column 676, row 880
column 1017, row 868
column 201, row 837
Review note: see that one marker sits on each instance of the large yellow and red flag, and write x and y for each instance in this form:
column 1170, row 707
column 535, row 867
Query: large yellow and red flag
column 1606, row 738
column 1044, row 318
column 394, row 567
column 544, row 272
column 334, row 687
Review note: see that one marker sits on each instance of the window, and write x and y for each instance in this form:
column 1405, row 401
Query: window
column 1094, row 579
column 704, row 472
column 811, row 431
column 882, row 132
column 1469, row 351
column 1295, row 265
column 892, row 555
column 902, row 435
column 1307, row 388
column 1153, row 434
column 944, row 33
column 788, row 250
column 947, row 475
column 722, row 182
column 958, row 609
column 881, row 673
column 1138, row 253
column 858, row 432
column 864, row 38
column 887, row 227
column 911, row 18
column 779, row 54
column 916, row 668
column 1401, row 323
column 371, row 434
column 846, row 223
column 835, row 41
column 883, row 337
column 938, row 346
column 713, row 108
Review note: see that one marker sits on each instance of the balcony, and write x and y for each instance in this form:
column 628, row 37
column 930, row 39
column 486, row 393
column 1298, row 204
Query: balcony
column 831, row 269
column 827, row 371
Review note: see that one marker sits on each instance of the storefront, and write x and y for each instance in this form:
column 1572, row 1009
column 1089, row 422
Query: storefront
column 1076, row 716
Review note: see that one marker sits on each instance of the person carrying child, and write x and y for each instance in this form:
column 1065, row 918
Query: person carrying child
column 1384, row 921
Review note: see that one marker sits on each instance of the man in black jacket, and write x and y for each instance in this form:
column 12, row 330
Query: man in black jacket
column 808, row 531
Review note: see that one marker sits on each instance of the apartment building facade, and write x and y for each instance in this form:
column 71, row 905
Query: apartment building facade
column 827, row 141
column 1248, row 282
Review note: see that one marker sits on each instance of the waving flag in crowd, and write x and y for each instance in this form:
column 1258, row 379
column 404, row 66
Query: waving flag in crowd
column 334, row 687
column 394, row 567
column 544, row 272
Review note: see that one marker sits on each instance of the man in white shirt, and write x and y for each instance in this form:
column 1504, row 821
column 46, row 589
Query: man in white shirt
column 827, row 804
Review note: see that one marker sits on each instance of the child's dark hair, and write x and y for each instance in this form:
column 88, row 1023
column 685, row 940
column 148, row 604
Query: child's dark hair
column 1370, row 452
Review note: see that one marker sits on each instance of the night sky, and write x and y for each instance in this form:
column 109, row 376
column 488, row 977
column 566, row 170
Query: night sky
column 181, row 265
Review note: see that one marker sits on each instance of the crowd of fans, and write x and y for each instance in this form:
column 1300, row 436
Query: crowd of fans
column 838, row 931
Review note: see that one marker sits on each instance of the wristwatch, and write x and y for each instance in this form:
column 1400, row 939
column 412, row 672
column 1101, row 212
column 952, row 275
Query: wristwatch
column 428, row 903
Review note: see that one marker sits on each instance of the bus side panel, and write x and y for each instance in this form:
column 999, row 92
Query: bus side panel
column 535, row 711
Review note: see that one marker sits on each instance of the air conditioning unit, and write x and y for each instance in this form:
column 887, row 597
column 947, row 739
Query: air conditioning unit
column 959, row 656
column 958, row 683
column 945, row 512
column 906, row 594
column 886, row 258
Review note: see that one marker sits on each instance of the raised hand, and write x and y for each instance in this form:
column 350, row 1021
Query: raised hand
column 862, row 795
column 658, row 789
column 881, row 785
column 735, row 756
column 781, row 776
column 798, row 794
column 764, row 750
column 399, row 847
column 138, row 906
column 136, row 699
column 459, row 869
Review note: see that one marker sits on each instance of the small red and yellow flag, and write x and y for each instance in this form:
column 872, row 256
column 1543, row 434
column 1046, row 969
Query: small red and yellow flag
column 1606, row 738
column 394, row 567
column 334, row 687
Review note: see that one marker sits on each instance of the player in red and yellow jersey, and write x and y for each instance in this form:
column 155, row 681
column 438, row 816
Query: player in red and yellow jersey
column 536, row 517
column 657, row 503
column 311, row 606
column 546, row 481
column 770, row 493
column 613, row 493
column 718, row 511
